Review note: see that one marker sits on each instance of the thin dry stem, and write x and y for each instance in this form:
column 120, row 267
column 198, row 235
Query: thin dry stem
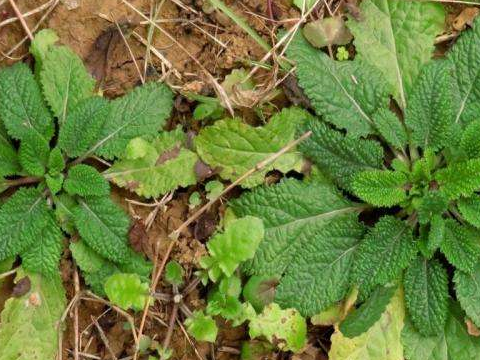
column 20, row 17
column 104, row 338
column 27, row 14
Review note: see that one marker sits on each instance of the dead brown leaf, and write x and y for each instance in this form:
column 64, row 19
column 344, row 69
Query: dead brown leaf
column 471, row 328
column 138, row 236
column 168, row 155
column 22, row 287
column 327, row 31
column 465, row 18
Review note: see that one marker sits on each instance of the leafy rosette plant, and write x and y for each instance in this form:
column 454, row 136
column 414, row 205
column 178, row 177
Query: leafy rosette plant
column 394, row 219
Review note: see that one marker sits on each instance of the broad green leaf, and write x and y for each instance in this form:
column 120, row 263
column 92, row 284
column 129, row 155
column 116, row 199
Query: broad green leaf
column 41, row 44
column 311, row 234
column 151, row 169
column 386, row 250
column 174, row 273
column 22, row 108
column 459, row 179
column 433, row 203
column 34, row 153
column 355, row 90
column 127, row 291
column 430, row 114
column 380, row 342
column 470, row 209
column 470, row 141
column 236, row 147
column 338, row 156
column 453, row 343
column 65, row 81
column 29, row 324
column 284, row 327
column 202, row 327
column 9, row 164
column 467, row 288
column 435, row 235
column 64, row 205
column 56, row 162
column 84, row 180
column 54, row 183
column 390, row 128
column 426, row 295
column 397, row 38
column 380, row 187
column 104, row 226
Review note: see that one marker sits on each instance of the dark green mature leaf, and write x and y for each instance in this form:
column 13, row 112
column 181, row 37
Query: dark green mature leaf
column 380, row 187
column 22, row 108
column 22, row 219
column 104, row 227
column 355, row 90
column 470, row 141
column 386, row 250
column 467, row 288
column 361, row 319
column 33, row 154
column 9, row 164
column 460, row 246
column 435, row 235
column 426, row 295
column 56, row 162
column 311, row 233
column 459, row 179
column 85, row 181
column 433, row 203
column 470, row 209
column 430, row 114
column 339, row 156
column 390, row 128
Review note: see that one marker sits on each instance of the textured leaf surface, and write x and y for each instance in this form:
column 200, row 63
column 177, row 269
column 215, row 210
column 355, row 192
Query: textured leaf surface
column 202, row 327
column 397, row 38
column 22, row 108
column 151, row 169
column 41, row 45
column 380, row 342
column 9, row 164
column 386, row 250
column 355, row 89
column 390, row 128
column 470, row 142
column 65, row 81
column 460, row 246
column 470, row 209
column 28, row 328
column 431, row 113
column 141, row 112
column 339, row 156
column 236, row 147
column 127, row 291
column 467, row 288
column 426, row 295
column 85, row 180
column 453, row 343
column 311, row 233
column 380, row 187
column 459, row 179
column 104, row 226
column 33, row 153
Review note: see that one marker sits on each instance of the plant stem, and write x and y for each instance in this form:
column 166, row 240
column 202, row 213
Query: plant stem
column 23, row 181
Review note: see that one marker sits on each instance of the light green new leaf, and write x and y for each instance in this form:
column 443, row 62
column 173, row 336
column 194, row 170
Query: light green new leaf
column 22, row 108
column 9, row 164
column 380, row 187
column 54, row 183
column 397, row 38
column 236, row 147
column 390, row 128
column 34, row 153
column 29, row 324
column 65, row 81
column 459, row 179
column 284, row 327
column 41, row 44
column 311, row 233
column 174, row 273
column 84, row 180
column 430, row 114
column 355, row 90
column 386, row 250
column 127, row 291
column 467, row 288
column 426, row 295
column 470, row 209
column 453, row 343
column 151, row 169
column 381, row 342
column 104, row 226
column 202, row 327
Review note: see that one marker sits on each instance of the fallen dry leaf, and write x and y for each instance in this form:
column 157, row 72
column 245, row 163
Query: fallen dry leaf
column 465, row 18
column 327, row 31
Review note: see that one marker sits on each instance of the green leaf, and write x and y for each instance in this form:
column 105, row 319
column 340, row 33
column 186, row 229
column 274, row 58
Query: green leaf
column 467, row 288
column 433, row 203
column 41, row 44
column 390, row 128
column 236, row 147
column 141, row 112
column 470, row 209
column 22, row 219
column 9, row 164
column 430, row 114
column 355, row 90
column 65, row 81
column 33, row 154
column 436, row 235
column 397, row 38
column 84, row 180
column 54, row 183
column 22, row 108
column 202, row 327
column 386, row 250
column 236, row 244
column 339, row 156
column 465, row 58
column 43, row 256
column 214, row 189
column 380, row 342
column 426, row 295
column 127, row 291
column 284, row 327
column 380, row 187
column 459, row 179
column 83, row 125
column 460, row 246
column 104, row 226
column 260, row 291
column 29, row 324
column 151, row 169
column 56, row 162
column 470, row 142
column 311, row 234
column 174, row 273
column 453, row 343
column 363, row 318
column 64, row 205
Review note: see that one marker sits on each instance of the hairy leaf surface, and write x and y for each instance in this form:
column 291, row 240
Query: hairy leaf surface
column 460, row 246
column 85, row 180
column 467, row 288
column 459, row 179
column 380, row 187
column 470, row 209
